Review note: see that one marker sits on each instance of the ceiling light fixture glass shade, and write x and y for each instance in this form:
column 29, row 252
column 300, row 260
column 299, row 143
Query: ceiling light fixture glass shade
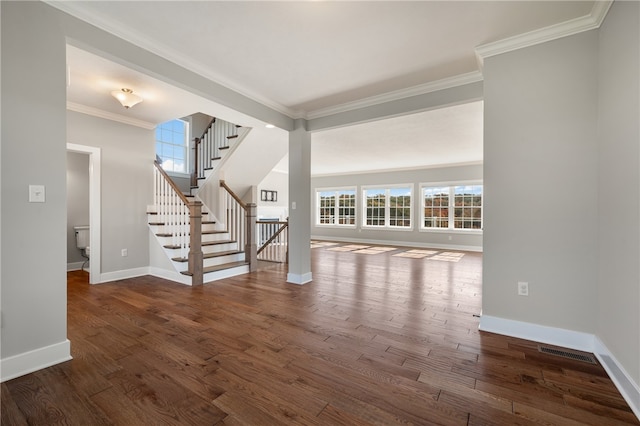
column 126, row 97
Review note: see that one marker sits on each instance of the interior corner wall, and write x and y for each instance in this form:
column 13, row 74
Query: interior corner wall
column 540, row 183
column 127, row 154
column 279, row 209
column 77, row 201
column 415, row 237
column 618, row 297
column 33, row 96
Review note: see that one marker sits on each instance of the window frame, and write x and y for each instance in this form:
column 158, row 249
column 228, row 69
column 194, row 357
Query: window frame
column 450, row 229
column 185, row 147
column 387, row 207
column 336, row 207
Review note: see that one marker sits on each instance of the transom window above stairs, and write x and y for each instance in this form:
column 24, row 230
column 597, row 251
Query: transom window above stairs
column 172, row 140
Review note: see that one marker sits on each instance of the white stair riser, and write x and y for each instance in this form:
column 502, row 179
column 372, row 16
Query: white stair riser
column 226, row 273
column 214, row 261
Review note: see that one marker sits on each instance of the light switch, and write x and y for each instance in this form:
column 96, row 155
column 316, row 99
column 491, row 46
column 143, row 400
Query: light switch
column 36, row 193
column 293, row 205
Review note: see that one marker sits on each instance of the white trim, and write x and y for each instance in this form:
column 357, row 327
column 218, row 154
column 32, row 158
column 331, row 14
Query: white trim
column 37, row 359
column 629, row 390
column 542, row 35
column 409, row 244
column 95, row 195
column 335, row 191
column 169, row 275
column 299, row 279
column 387, row 207
column 83, row 109
column 123, row 274
column 586, row 342
column 136, row 38
column 538, row 333
column 400, row 169
column 421, row 89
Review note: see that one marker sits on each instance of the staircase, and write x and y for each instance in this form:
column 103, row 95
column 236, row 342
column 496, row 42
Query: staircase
column 222, row 243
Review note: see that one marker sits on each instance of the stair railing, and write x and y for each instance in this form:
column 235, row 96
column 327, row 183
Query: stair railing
column 241, row 223
column 181, row 220
column 207, row 148
column 273, row 238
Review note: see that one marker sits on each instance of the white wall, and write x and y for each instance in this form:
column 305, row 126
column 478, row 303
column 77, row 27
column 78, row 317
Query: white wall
column 618, row 292
column 439, row 239
column 77, row 201
column 274, row 181
column 127, row 186
column 34, row 254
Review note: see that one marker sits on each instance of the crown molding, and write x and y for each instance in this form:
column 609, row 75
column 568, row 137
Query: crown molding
column 72, row 106
column 574, row 26
column 400, row 169
column 434, row 86
column 76, row 10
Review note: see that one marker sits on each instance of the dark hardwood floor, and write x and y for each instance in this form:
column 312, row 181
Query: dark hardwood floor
column 375, row 339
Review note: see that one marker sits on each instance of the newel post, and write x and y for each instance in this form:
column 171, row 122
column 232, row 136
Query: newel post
column 195, row 243
column 251, row 248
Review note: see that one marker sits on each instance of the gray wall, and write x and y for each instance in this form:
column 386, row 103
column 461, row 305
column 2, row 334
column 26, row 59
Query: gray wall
column 618, row 292
column 127, row 154
column 415, row 177
column 540, row 177
column 34, row 252
column 77, row 201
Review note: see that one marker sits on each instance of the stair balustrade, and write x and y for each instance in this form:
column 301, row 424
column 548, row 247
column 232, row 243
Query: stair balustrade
column 241, row 223
column 273, row 238
column 207, row 148
column 181, row 221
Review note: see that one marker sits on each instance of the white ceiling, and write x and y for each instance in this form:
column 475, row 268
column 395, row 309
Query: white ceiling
column 307, row 58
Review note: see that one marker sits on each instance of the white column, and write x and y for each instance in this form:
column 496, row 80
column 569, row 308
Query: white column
column 299, row 204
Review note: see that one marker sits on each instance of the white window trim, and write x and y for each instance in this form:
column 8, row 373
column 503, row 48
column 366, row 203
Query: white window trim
column 451, row 229
column 336, row 190
column 187, row 150
column 387, row 188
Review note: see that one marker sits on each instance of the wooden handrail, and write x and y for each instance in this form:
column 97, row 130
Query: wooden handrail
column 233, row 194
column 171, row 182
column 273, row 237
column 206, row 129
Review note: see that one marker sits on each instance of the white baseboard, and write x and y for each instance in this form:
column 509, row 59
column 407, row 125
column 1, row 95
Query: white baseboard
column 586, row 342
column 538, row 333
column 410, row 244
column 106, row 277
column 37, row 359
column 170, row 275
column 630, row 391
column 299, row 278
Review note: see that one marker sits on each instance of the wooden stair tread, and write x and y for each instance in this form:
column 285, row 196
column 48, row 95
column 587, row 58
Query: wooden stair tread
column 208, row 255
column 217, row 268
column 215, row 243
column 214, row 232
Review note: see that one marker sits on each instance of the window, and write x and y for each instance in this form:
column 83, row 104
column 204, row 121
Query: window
column 452, row 207
column 171, row 145
column 436, row 207
column 336, row 207
column 387, row 207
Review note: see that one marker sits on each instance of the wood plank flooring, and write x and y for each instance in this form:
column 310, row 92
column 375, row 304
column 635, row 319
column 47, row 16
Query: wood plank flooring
column 374, row 339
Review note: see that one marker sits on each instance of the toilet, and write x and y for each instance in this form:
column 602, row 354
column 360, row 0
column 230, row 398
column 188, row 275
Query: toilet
column 82, row 239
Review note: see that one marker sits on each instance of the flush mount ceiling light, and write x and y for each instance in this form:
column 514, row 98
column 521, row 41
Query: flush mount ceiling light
column 126, row 97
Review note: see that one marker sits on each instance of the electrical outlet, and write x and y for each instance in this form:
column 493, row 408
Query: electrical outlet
column 523, row 288
column 125, row 253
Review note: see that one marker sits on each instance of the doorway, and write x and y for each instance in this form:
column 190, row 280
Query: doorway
column 94, row 207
